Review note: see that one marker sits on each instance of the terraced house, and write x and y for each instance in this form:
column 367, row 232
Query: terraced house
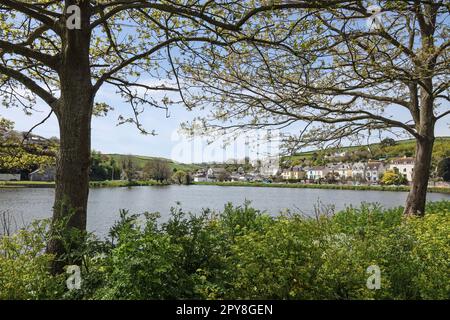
column 374, row 170
column 404, row 166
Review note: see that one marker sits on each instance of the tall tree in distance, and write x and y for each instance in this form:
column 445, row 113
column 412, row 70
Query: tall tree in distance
column 158, row 170
column 336, row 73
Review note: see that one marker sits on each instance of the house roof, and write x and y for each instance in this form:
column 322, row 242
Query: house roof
column 319, row 168
column 218, row 170
column 374, row 165
column 404, row 160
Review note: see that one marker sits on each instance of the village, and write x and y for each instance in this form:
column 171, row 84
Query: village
column 268, row 171
column 391, row 164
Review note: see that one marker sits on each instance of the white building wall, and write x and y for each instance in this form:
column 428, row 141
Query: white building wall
column 405, row 169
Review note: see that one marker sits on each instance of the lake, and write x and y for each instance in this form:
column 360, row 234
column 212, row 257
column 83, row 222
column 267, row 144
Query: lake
column 26, row 204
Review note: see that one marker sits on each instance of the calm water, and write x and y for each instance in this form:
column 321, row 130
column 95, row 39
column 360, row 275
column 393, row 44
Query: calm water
column 105, row 203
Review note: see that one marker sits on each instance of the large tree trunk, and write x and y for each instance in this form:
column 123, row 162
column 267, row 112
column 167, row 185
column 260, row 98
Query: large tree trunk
column 415, row 204
column 72, row 178
column 74, row 112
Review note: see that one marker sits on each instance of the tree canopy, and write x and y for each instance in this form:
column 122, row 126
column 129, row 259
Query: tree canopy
column 334, row 74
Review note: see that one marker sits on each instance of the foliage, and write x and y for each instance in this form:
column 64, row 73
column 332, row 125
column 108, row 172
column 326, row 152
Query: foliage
column 103, row 168
column 141, row 161
column 24, row 268
column 391, row 177
column 129, row 169
column 388, row 142
column 158, row 170
column 443, row 169
column 181, row 177
column 13, row 154
column 242, row 253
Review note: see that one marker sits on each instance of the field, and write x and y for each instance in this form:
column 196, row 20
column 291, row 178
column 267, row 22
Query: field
column 140, row 161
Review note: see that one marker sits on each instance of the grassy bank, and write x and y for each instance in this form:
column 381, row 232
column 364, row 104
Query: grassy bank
column 242, row 253
column 26, row 184
column 93, row 184
column 319, row 186
column 123, row 183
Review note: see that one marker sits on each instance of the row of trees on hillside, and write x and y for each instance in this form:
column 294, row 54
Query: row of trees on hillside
column 155, row 169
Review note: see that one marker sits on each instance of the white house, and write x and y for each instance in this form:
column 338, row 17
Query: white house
column 200, row 177
column 270, row 166
column 46, row 173
column 404, row 166
column 215, row 174
column 344, row 170
column 373, row 171
column 359, row 170
column 316, row 173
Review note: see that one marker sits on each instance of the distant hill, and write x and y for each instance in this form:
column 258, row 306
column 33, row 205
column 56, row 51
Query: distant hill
column 372, row 151
column 140, row 161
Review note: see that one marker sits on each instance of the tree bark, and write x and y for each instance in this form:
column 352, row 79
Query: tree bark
column 72, row 178
column 74, row 113
column 415, row 203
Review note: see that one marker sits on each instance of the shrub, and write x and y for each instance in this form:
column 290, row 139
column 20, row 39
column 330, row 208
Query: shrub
column 242, row 253
column 393, row 178
column 24, row 267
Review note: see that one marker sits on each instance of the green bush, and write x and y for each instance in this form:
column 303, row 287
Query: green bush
column 242, row 253
column 24, row 267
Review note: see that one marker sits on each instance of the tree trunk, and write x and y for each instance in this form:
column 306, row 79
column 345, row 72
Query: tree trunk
column 415, row 204
column 72, row 179
column 74, row 113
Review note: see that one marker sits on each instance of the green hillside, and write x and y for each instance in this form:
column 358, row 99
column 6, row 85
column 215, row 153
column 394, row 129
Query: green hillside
column 373, row 151
column 140, row 161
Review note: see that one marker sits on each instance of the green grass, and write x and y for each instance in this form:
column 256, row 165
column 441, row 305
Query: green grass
column 141, row 161
column 93, row 184
column 320, row 186
column 27, row 184
column 124, row 183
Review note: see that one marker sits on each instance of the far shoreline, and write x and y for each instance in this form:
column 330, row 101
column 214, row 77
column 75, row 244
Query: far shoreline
column 121, row 184
column 444, row 190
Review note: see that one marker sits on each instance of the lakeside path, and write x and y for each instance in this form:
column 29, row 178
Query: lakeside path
column 120, row 183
